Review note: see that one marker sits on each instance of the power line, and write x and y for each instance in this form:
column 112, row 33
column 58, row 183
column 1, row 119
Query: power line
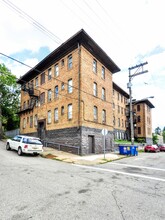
column 30, row 20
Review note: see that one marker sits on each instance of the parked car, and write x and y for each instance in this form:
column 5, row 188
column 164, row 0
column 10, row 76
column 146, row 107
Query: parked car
column 25, row 144
column 151, row 148
column 161, row 147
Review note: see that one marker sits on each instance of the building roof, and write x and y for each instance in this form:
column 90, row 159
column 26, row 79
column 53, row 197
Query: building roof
column 146, row 101
column 81, row 38
column 120, row 90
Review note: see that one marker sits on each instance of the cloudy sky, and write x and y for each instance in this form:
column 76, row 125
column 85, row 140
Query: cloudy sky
column 130, row 32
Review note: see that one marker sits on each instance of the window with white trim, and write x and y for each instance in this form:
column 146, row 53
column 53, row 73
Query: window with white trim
column 56, row 70
column 103, row 116
column 56, row 114
column 49, row 95
column 56, row 92
column 49, row 73
column 94, row 66
column 70, row 87
column 95, row 113
column 69, row 61
column 70, row 111
column 49, row 117
column 95, row 89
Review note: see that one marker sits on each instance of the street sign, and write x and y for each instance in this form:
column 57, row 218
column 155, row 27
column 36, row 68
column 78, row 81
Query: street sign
column 104, row 132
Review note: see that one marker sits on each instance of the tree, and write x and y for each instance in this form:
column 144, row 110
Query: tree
column 9, row 100
column 155, row 138
column 163, row 133
column 158, row 130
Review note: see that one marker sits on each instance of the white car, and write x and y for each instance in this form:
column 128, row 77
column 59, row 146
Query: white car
column 25, row 144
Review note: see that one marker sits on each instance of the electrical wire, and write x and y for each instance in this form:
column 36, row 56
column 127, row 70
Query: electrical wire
column 30, row 20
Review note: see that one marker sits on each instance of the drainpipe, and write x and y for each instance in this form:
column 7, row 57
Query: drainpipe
column 79, row 101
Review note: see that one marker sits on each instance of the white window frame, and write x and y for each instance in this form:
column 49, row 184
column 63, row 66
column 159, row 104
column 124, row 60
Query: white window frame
column 70, row 111
column 103, row 72
column 103, row 115
column 95, row 113
column 103, row 93
column 94, row 66
column 70, row 62
column 56, row 70
column 49, row 95
column 70, row 86
column 49, row 73
column 95, row 89
column 56, row 114
column 49, row 117
column 56, row 92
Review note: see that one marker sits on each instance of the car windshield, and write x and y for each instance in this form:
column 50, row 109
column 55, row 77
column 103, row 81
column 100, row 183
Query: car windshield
column 31, row 141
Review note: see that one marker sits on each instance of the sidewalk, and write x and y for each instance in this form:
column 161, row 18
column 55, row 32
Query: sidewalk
column 54, row 154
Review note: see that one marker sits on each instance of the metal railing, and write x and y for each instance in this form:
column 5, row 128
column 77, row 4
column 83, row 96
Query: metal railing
column 60, row 146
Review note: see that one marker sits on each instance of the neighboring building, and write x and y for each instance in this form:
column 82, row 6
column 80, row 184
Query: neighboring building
column 120, row 100
column 143, row 120
column 67, row 98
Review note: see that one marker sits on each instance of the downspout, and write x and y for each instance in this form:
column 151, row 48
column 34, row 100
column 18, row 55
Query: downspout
column 79, row 100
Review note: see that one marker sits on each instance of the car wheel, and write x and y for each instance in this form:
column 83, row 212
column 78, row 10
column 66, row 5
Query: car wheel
column 8, row 146
column 19, row 151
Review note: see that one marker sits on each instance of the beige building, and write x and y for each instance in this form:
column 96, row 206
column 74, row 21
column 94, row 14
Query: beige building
column 67, row 98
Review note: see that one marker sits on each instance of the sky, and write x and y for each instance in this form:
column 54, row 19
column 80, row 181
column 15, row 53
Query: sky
column 131, row 32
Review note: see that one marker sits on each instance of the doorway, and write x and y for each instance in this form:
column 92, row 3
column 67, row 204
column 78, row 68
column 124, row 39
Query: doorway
column 41, row 129
column 91, row 144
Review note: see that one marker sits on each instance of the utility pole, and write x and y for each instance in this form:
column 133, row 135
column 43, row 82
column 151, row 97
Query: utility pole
column 139, row 71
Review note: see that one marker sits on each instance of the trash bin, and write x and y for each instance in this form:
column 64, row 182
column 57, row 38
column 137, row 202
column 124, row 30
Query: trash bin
column 123, row 150
column 128, row 150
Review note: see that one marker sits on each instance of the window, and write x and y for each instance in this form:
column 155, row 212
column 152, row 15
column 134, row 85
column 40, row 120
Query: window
column 49, row 117
column 56, row 70
column 95, row 113
column 94, row 66
column 24, row 105
column 42, row 98
column 62, row 62
column 62, row 110
column 103, row 73
column 138, row 119
column 70, row 88
column 122, row 123
column 138, row 108
column 24, row 123
column 35, row 120
column 139, row 130
column 49, row 73
column 42, row 78
column 69, row 61
column 114, row 120
column 103, row 116
column 95, row 89
column 113, row 105
column 31, row 121
column 36, row 82
column 56, row 92
column 118, row 96
column 62, row 86
column 70, row 111
column 118, row 122
column 103, row 94
column 118, row 109
column 56, row 114
column 49, row 95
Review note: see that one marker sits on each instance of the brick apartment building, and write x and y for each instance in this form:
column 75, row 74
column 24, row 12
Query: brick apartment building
column 69, row 97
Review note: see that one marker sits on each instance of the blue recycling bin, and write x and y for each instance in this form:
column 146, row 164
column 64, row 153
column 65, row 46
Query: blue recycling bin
column 128, row 150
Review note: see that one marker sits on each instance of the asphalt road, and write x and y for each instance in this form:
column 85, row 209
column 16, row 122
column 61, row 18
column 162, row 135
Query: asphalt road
column 43, row 189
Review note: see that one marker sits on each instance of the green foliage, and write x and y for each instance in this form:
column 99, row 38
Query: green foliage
column 155, row 138
column 163, row 133
column 158, row 130
column 9, row 98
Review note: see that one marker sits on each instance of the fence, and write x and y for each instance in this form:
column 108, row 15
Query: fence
column 62, row 147
column 12, row 133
